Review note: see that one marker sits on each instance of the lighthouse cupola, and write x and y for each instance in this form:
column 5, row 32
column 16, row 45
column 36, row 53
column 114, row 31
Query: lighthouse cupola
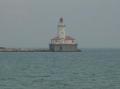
column 61, row 30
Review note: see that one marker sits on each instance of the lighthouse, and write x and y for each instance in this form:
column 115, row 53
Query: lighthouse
column 61, row 31
column 62, row 42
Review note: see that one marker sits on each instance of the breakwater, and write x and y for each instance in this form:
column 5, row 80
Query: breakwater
column 24, row 50
column 2, row 49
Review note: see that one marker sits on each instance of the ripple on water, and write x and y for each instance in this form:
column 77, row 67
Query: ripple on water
column 90, row 69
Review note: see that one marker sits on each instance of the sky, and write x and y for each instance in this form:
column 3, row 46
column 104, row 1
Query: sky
column 32, row 23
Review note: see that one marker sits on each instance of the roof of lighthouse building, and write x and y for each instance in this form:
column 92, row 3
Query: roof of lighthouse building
column 66, row 38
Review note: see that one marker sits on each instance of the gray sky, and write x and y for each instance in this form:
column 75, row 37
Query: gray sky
column 32, row 23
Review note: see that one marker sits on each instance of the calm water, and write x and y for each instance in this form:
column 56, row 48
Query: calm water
column 90, row 69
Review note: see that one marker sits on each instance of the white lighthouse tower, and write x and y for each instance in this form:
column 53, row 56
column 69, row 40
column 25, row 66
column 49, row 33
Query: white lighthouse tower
column 61, row 31
column 62, row 42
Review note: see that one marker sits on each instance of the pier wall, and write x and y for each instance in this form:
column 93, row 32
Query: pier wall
column 63, row 47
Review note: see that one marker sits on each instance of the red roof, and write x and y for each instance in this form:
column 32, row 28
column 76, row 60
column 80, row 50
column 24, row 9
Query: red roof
column 66, row 38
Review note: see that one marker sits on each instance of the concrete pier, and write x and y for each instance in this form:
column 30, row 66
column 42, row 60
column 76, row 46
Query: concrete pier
column 32, row 50
column 24, row 50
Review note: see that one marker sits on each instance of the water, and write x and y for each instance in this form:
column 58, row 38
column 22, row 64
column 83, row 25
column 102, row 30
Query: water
column 90, row 69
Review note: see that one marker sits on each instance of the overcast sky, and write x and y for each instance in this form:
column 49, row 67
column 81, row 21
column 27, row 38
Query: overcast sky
column 32, row 23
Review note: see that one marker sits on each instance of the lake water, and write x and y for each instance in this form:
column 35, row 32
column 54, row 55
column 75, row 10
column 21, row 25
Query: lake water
column 89, row 69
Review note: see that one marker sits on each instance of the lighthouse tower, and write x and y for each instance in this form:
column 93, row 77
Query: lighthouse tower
column 61, row 31
column 62, row 42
